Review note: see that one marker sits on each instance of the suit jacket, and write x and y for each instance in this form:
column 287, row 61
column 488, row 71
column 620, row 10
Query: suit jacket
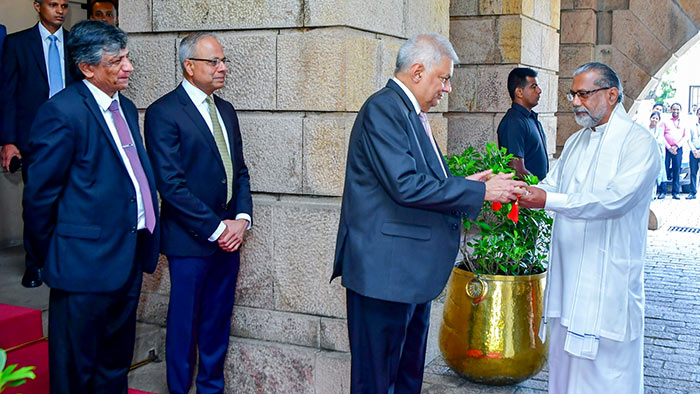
column 400, row 218
column 190, row 173
column 25, row 84
column 80, row 209
column 3, row 33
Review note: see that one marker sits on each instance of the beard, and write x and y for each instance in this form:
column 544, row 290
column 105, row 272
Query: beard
column 588, row 119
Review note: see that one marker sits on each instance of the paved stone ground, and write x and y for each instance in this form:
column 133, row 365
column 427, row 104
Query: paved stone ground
column 672, row 336
column 672, row 331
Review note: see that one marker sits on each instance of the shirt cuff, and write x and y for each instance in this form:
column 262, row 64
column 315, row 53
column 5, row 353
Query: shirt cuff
column 245, row 216
column 555, row 201
column 217, row 233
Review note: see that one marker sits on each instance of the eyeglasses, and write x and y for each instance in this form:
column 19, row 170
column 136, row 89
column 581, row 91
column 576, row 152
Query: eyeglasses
column 583, row 94
column 212, row 62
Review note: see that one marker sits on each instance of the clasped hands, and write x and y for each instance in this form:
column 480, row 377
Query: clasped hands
column 501, row 188
column 233, row 236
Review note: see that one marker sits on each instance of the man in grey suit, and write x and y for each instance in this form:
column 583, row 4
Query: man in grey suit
column 400, row 220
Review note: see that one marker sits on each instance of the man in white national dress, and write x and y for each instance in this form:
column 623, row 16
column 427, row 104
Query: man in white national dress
column 599, row 191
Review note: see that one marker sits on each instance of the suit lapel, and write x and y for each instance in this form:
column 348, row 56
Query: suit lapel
column 426, row 146
column 36, row 48
column 66, row 60
column 189, row 108
column 430, row 157
column 91, row 103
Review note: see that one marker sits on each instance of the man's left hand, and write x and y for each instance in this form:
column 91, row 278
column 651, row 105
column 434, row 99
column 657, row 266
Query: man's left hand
column 234, row 235
column 534, row 197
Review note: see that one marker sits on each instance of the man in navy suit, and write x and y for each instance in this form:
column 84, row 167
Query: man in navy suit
column 195, row 146
column 35, row 67
column 90, row 214
column 400, row 220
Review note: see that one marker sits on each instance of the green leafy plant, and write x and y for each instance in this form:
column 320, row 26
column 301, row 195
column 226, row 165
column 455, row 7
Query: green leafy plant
column 504, row 239
column 9, row 377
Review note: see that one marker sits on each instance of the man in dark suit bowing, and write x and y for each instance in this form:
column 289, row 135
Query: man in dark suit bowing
column 90, row 214
column 195, row 146
column 35, row 67
column 400, row 220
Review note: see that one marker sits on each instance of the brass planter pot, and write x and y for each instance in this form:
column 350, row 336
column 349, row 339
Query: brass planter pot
column 490, row 326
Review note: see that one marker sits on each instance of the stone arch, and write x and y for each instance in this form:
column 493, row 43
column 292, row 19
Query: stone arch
column 638, row 38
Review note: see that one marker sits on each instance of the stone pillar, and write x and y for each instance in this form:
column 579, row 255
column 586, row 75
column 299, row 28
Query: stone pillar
column 491, row 38
column 300, row 72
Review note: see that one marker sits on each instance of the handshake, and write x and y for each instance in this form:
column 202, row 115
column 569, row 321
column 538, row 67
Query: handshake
column 501, row 188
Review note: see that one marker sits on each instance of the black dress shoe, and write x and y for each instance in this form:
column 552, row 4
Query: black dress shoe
column 662, row 196
column 690, row 197
column 676, row 197
column 32, row 278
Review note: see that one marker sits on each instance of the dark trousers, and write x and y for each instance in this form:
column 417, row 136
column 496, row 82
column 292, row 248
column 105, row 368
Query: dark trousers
column 673, row 169
column 199, row 317
column 91, row 339
column 693, row 174
column 387, row 343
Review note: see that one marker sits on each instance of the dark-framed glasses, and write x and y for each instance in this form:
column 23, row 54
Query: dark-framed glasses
column 583, row 94
column 214, row 62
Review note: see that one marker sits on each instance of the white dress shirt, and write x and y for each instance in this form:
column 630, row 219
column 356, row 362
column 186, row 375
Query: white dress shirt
column 104, row 101
column 45, row 42
column 199, row 98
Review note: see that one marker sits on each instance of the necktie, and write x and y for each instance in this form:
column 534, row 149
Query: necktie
column 55, row 75
column 426, row 125
column 221, row 146
column 133, row 156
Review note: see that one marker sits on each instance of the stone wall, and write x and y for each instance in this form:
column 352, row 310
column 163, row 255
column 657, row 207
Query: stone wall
column 638, row 38
column 491, row 38
column 300, row 72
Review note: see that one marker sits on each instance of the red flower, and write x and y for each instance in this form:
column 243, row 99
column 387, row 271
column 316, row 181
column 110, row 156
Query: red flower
column 496, row 206
column 514, row 211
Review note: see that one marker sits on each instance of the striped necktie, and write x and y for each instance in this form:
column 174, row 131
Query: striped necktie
column 221, row 146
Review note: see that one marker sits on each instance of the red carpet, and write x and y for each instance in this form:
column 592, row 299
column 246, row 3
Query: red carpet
column 19, row 326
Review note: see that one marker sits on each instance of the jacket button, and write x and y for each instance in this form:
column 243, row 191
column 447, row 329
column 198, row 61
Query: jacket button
column 133, row 199
column 455, row 227
column 133, row 229
column 223, row 181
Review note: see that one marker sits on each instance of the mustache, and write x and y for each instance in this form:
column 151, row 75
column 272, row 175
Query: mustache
column 581, row 109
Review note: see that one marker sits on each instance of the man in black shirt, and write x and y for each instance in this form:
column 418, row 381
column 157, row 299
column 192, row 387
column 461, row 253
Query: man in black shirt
column 519, row 131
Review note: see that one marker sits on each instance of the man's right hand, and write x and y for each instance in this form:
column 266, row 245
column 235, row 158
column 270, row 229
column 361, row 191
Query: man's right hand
column 503, row 189
column 7, row 152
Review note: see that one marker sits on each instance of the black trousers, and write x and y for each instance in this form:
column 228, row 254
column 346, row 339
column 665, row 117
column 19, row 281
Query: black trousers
column 387, row 342
column 693, row 174
column 91, row 339
column 673, row 169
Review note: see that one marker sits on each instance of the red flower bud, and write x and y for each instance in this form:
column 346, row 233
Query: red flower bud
column 514, row 212
column 496, row 206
